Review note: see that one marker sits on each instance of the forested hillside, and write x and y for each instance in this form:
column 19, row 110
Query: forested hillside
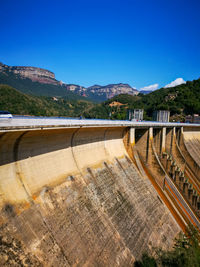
column 180, row 100
column 42, row 82
column 20, row 103
column 28, row 86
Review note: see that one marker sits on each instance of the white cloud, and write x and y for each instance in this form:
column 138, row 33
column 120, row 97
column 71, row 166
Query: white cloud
column 176, row 82
column 150, row 87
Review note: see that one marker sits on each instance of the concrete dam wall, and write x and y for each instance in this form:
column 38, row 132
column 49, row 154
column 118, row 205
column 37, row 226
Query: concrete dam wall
column 76, row 197
column 192, row 143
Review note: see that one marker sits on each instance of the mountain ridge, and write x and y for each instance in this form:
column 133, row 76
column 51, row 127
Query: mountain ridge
column 42, row 76
column 33, row 73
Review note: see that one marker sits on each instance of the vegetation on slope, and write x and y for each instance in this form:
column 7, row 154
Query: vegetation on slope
column 23, row 104
column 186, row 253
column 180, row 100
column 184, row 98
column 27, row 86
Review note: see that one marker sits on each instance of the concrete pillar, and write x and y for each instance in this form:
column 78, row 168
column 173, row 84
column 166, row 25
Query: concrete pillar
column 158, row 140
column 132, row 136
column 172, row 139
column 169, row 163
column 180, row 135
column 151, row 133
column 164, row 159
column 182, row 130
column 173, row 165
column 177, row 171
column 163, row 139
column 171, row 171
column 195, row 204
column 194, row 197
column 190, row 191
column 181, row 180
column 198, row 203
column 149, row 141
column 185, row 186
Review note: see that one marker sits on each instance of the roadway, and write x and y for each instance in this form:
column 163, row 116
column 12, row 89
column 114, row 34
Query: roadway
column 26, row 122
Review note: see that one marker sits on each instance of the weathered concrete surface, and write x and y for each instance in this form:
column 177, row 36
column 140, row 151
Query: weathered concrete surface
column 192, row 142
column 174, row 180
column 73, row 197
column 189, row 144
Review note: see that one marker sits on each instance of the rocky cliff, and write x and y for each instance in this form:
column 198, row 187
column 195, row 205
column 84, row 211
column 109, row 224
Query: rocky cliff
column 33, row 73
column 111, row 90
column 80, row 90
column 43, row 76
column 102, row 93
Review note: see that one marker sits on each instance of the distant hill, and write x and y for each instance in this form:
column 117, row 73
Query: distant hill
column 33, row 73
column 103, row 93
column 22, row 104
column 34, row 82
column 99, row 93
column 145, row 92
column 70, row 99
column 42, row 82
column 181, row 100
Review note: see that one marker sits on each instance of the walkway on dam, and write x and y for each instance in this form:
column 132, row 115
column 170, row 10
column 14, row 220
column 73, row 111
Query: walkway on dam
column 49, row 122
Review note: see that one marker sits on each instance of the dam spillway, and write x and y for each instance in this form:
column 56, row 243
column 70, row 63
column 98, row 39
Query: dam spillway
column 91, row 194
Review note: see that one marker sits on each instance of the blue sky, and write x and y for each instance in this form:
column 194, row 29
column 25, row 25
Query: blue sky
column 86, row 42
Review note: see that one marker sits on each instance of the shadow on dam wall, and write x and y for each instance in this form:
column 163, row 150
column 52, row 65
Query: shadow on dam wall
column 67, row 138
column 75, row 197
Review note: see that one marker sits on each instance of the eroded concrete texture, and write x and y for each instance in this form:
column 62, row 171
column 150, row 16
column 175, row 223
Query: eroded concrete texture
column 105, row 214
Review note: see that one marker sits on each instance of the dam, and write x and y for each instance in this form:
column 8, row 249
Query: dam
column 95, row 192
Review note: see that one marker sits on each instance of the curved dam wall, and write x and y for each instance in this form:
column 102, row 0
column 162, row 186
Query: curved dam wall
column 73, row 197
column 189, row 141
column 192, row 142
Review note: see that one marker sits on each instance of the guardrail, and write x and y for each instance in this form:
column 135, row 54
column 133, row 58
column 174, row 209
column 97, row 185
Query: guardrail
column 25, row 122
